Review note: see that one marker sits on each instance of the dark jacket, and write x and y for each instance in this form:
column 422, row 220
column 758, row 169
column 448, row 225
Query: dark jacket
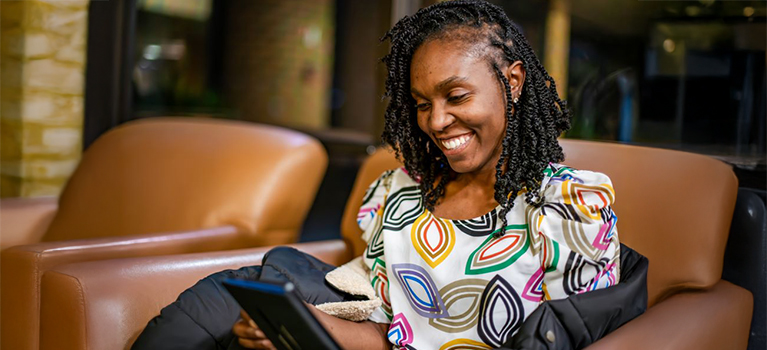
column 202, row 317
column 581, row 319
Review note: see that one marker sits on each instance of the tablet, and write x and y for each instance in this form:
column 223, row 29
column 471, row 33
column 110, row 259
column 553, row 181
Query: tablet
column 281, row 314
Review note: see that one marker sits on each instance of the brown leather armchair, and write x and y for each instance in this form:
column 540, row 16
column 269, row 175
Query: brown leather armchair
column 156, row 187
column 673, row 207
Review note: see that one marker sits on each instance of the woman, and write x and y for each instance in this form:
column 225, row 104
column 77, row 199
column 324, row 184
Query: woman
column 481, row 225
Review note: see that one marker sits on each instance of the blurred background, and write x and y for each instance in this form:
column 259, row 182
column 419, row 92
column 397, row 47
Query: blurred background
column 686, row 75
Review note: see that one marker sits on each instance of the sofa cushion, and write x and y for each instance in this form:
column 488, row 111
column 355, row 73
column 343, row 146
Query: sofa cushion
column 203, row 315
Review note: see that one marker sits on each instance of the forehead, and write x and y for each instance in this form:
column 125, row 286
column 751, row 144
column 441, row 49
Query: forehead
column 436, row 60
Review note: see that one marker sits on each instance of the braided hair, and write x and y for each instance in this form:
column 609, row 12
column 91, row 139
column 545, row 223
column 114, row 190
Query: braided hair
column 533, row 123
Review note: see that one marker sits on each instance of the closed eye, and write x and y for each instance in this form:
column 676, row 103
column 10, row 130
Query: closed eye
column 423, row 106
column 458, row 98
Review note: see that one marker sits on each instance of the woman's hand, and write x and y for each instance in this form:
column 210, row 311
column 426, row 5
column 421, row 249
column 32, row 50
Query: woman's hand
column 249, row 335
column 350, row 335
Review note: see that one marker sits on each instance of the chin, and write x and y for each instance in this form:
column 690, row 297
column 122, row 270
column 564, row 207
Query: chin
column 462, row 166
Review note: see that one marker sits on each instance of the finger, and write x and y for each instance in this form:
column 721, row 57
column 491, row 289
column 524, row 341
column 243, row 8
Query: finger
column 249, row 343
column 267, row 344
column 257, row 333
column 256, row 344
column 244, row 315
column 242, row 329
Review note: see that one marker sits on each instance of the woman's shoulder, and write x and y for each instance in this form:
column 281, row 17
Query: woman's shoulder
column 389, row 182
column 566, row 172
column 567, row 185
column 394, row 179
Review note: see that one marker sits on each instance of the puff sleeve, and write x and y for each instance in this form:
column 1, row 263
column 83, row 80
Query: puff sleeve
column 370, row 220
column 373, row 201
column 574, row 233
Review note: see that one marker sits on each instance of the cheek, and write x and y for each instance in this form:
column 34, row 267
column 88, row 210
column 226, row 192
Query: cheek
column 422, row 121
column 498, row 112
column 493, row 126
column 499, row 126
column 491, row 118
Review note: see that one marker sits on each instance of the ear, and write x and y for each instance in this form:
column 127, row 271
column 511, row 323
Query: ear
column 515, row 73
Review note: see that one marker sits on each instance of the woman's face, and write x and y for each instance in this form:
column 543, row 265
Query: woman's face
column 460, row 104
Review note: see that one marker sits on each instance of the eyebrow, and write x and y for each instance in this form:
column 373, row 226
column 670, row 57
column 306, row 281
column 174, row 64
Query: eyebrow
column 441, row 85
column 451, row 80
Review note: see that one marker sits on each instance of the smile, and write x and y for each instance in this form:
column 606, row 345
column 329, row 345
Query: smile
column 457, row 142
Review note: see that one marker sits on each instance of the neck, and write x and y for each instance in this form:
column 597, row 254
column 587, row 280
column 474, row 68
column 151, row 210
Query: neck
column 480, row 182
column 484, row 178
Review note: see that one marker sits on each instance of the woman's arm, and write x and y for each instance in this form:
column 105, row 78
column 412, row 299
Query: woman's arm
column 576, row 228
column 350, row 335
column 354, row 335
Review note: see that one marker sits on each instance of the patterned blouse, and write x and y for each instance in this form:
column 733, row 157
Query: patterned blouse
column 449, row 284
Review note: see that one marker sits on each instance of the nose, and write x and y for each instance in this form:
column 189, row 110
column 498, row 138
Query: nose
column 439, row 118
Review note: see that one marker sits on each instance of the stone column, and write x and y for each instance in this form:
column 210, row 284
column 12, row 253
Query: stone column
column 42, row 64
column 279, row 61
column 557, row 54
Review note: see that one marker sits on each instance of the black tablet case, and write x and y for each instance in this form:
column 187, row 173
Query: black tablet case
column 281, row 314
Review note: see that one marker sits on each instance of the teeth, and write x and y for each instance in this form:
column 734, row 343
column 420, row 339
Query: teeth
column 455, row 142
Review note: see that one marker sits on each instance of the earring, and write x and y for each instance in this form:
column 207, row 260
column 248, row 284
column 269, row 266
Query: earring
column 515, row 105
column 427, row 147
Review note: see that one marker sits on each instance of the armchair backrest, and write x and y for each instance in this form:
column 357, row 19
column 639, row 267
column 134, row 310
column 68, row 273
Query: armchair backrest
column 176, row 174
column 673, row 207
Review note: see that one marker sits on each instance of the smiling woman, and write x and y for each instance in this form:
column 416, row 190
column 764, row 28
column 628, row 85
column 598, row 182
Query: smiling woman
column 482, row 225
column 457, row 256
column 467, row 75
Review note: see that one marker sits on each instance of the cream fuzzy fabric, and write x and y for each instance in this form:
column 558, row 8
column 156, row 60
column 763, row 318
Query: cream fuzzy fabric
column 358, row 310
column 352, row 278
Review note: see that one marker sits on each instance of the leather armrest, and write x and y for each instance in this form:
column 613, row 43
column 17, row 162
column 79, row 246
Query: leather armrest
column 717, row 318
column 23, row 266
column 25, row 220
column 106, row 304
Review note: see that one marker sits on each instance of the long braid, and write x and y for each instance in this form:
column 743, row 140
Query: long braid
column 532, row 124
